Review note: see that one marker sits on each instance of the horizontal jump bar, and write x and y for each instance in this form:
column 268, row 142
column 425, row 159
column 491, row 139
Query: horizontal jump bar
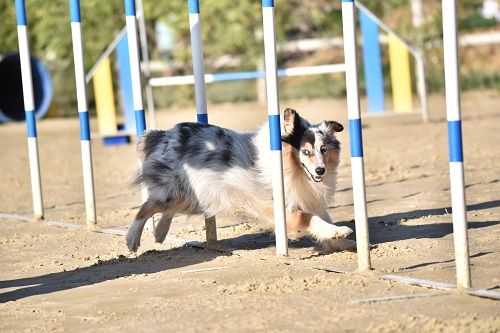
column 237, row 76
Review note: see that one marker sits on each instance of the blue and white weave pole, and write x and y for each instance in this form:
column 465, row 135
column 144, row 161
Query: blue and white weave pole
column 356, row 140
column 453, row 116
column 29, row 107
column 135, row 66
column 274, row 126
column 88, row 175
column 198, row 64
column 199, row 89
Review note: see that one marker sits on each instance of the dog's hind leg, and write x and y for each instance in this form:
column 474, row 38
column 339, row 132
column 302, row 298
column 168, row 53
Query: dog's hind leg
column 162, row 226
column 148, row 209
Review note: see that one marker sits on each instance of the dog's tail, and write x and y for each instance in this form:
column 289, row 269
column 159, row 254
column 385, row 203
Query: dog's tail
column 147, row 143
column 145, row 146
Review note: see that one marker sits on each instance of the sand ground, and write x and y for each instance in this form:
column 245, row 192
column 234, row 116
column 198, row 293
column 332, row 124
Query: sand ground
column 57, row 279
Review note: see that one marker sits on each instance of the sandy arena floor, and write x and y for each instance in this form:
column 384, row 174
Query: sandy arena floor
column 57, row 279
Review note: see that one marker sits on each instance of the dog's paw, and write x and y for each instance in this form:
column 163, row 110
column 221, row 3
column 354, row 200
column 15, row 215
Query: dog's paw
column 342, row 232
column 337, row 245
column 133, row 240
column 335, row 232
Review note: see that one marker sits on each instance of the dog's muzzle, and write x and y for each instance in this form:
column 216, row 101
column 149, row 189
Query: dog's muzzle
column 315, row 178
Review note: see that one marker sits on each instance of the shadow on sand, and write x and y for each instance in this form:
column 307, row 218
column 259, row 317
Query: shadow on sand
column 157, row 261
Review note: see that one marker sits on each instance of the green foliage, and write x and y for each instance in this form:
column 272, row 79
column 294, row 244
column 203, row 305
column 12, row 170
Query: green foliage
column 230, row 27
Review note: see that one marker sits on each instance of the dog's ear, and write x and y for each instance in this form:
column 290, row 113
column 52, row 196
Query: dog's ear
column 332, row 126
column 290, row 119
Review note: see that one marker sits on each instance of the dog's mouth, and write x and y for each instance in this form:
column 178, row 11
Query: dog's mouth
column 316, row 179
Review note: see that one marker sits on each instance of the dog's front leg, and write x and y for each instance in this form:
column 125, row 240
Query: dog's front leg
column 302, row 223
column 335, row 245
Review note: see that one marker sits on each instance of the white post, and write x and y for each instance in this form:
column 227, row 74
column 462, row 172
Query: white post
column 135, row 67
column 145, row 59
column 354, row 115
column 453, row 116
column 29, row 107
column 421, row 85
column 88, row 177
column 274, row 126
column 199, row 89
column 418, row 19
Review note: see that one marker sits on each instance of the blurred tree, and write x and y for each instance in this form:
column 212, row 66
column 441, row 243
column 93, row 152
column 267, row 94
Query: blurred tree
column 229, row 28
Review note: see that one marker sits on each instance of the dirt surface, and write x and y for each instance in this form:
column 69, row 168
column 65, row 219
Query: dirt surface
column 60, row 279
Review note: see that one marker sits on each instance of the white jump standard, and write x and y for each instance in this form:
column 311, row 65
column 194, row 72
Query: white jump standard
column 88, row 178
column 356, row 140
column 29, row 108
column 199, row 89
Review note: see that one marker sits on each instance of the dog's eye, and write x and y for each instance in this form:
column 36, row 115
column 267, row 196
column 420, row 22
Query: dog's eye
column 323, row 150
column 305, row 152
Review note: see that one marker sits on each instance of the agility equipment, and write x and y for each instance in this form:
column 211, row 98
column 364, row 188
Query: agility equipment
column 199, row 89
column 29, row 108
column 355, row 135
column 453, row 116
column 88, row 176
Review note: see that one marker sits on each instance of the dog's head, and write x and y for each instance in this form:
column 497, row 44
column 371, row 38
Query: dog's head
column 316, row 145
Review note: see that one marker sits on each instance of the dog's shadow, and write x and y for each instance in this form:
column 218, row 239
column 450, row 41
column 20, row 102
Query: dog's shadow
column 149, row 262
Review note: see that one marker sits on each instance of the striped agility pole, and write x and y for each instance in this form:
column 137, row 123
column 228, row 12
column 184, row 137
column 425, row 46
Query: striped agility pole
column 88, row 176
column 199, row 89
column 274, row 126
column 135, row 67
column 455, row 144
column 356, row 140
column 29, row 107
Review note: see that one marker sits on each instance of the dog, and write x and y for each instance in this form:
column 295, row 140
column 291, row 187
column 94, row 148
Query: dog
column 196, row 168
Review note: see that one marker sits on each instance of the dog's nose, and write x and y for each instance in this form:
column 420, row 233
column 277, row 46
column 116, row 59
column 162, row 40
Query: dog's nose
column 320, row 171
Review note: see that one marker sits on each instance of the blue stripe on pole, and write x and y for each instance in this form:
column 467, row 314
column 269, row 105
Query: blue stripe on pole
column 140, row 122
column 372, row 64
column 193, row 6
column 21, row 12
column 347, row 0
column 74, row 10
column 356, row 137
column 84, row 126
column 267, row 3
column 202, row 118
column 130, row 7
column 31, row 124
column 275, row 132
column 455, row 141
